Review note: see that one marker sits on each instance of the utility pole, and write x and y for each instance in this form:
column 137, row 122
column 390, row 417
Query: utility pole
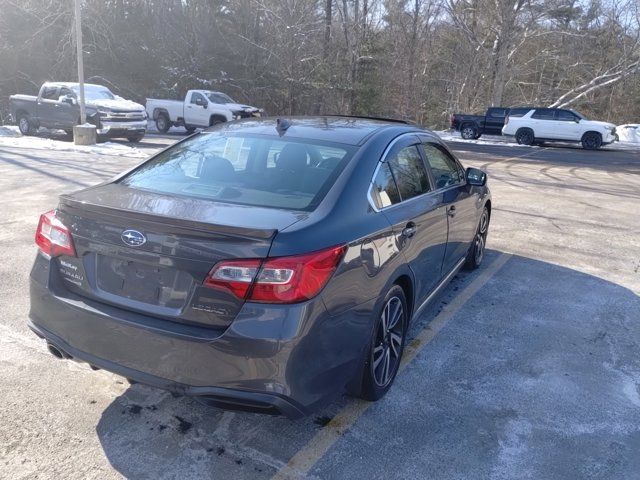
column 81, row 135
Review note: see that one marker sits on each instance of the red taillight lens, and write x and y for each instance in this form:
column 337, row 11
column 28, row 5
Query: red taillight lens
column 53, row 237
column 279, row 280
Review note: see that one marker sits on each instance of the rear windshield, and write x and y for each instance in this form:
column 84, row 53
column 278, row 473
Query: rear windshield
column 246, row 170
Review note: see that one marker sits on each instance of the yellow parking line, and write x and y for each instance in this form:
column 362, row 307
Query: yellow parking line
column 302, row 462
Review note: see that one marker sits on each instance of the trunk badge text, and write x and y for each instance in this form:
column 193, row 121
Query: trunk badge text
column 133, row 238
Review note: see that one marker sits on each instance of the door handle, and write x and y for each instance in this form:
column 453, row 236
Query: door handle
column 410, row 230
column 451, row 211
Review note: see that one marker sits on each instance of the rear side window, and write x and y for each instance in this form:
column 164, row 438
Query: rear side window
column 543, row 114
column 497, row 112
column 384, row 190
column 519, row 112
column 246, row 170
column 445, row 169
column 50, row 93
column 409, row 172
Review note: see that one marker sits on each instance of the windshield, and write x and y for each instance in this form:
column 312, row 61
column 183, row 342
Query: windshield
column 246, row 170
column 579, row 115
column 217, row 97
column 94, row 92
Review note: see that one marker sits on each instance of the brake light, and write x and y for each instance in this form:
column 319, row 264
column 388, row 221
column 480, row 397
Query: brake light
column 277, row 280
column 53, row 237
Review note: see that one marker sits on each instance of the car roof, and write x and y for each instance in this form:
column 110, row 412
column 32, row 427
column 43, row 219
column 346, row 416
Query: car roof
column 338, row 129
column 73, row 84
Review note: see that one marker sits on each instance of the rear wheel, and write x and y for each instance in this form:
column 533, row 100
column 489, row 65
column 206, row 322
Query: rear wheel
column 162, row 123
column 469, row 132
column 476, row 251
column 525, row 136
column 387, row 345
column 25, row 126
column 591, row 141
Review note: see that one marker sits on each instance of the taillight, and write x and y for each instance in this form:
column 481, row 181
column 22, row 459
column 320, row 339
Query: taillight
column 277, row 280
column 53, row 237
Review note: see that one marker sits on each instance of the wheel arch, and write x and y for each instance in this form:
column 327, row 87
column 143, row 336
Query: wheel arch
column 406, row 283
column 217, row 116
column 590, row 132
column 158, row 110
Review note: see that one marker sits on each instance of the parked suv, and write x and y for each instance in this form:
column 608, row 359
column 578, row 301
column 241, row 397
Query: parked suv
column 557, row 124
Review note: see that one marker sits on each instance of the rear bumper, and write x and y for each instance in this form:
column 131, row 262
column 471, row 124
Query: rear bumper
column 216, row 396
column 272, row 358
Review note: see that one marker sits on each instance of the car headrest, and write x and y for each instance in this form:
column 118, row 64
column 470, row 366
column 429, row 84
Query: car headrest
column 293, row 158
column 217, row 168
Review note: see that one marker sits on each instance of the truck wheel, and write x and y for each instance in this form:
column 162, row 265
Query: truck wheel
column 135, row 138
column 25, row 125
column 162, row 123
column 524, row 136
column 469, row 132
column 591, row 141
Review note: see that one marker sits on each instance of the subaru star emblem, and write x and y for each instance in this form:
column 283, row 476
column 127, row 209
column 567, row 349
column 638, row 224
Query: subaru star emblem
column 133, row 238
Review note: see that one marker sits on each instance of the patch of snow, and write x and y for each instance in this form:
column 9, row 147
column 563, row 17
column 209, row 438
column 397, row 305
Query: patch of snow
column 454, row 136
column 8, row 139
column 629, row 133
column 9, row 131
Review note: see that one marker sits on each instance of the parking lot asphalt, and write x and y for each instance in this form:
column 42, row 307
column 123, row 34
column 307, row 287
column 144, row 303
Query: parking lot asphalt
column 526, row 368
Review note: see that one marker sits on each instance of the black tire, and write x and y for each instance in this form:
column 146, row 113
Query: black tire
column 135, row 138
column 163, row 124
column 591, row 141
column 469, row 132
column 216, row 120
column 25, row 125
column 476, row 251
column 385, row 352
column 524, row 136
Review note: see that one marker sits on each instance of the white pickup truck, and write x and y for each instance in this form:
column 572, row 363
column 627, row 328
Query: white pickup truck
column 200, row 109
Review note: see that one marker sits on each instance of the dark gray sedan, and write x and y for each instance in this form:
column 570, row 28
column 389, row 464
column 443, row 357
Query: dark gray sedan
column 264, row 265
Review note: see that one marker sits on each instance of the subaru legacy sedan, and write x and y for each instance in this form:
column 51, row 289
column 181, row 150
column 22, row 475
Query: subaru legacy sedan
column 263, row 265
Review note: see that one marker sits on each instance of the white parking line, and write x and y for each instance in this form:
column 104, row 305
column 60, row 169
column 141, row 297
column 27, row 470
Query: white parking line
column 302, row 462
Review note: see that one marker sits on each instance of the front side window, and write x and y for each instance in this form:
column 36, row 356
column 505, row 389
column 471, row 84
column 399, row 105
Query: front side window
column 246, row 170
column 445, row 169
column 409, row 172
column 565, row 116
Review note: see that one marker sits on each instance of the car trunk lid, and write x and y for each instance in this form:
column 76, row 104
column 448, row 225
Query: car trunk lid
column 150, row 252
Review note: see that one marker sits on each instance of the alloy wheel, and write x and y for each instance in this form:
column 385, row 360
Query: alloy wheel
column 388, row 343
column 24, row 125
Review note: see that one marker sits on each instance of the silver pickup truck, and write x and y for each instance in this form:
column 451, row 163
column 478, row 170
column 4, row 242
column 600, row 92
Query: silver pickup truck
column 56, row 107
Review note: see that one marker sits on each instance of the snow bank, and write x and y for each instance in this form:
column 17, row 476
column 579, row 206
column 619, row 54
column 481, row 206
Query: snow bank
column 9, row 131
column 629, row 133
column 454, row 136
column 10, row 137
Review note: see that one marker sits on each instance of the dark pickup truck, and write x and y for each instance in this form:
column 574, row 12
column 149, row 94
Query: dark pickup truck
column 473, row 126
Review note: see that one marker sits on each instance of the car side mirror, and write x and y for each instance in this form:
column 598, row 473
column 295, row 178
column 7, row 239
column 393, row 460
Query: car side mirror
column 476, row 177
column 69, row 99
column 203, row 103
column 577, row 120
